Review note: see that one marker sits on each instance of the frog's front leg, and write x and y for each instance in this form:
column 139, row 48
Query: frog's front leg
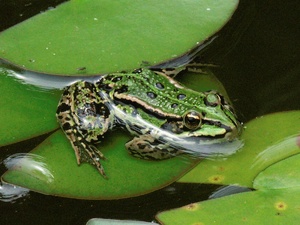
column 84, row 118
column 146, row 147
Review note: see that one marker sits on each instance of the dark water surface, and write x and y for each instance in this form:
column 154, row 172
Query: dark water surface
column 258, row 55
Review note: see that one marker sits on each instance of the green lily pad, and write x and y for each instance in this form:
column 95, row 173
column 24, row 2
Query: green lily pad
column 52, row 169
column 105, row 36
column 26, row 111
column 276, row 201
column 282, row 175
column 258, row 207
column 267, row 140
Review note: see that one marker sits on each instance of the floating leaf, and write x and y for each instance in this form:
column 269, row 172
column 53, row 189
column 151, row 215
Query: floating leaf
column 257, row 207
column 267, row 140
column 282, row 175
column 277, row 199
column 26, row 111
column 98, row 36
column 52, row 169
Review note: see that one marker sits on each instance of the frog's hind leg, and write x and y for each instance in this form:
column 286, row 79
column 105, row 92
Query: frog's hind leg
column 87, row 152
column 146, row 147
column 84, row 118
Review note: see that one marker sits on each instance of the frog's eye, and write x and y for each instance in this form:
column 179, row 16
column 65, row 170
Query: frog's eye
column 192, row 120
column 212, row 99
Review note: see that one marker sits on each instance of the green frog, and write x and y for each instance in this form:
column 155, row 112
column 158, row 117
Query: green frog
column 163, row 115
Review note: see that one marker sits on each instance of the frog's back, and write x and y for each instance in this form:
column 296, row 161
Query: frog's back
column 152, row 90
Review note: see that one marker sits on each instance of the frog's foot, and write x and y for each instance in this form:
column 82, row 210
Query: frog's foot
column 86, row 152
column 146, row 147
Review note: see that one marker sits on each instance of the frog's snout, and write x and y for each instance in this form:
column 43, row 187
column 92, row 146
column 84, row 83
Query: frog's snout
column 236, row 131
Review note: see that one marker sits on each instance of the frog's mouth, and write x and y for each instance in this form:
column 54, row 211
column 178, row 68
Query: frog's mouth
column 213, row 130
column 212, row 140
column 234, row 132
column 212, row 147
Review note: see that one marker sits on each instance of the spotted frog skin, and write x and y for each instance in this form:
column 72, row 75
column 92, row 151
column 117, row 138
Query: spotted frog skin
column 158, row 111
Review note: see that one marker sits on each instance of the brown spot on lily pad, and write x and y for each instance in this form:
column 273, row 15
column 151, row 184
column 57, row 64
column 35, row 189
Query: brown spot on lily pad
column 216, row 179
column 191, row 207
column 281, row 205
column 221, row 168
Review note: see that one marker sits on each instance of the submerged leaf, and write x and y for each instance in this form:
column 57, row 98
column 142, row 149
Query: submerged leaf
column 99, row 36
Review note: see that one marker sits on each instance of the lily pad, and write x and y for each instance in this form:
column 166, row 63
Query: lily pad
column 52, row 169
column 276, row 201
column 267, row 140
column 99, row 36
column 26, row 111
column 282, row 175
column 258, row 207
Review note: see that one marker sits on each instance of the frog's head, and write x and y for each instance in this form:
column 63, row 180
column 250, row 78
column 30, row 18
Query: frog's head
column 214, row 119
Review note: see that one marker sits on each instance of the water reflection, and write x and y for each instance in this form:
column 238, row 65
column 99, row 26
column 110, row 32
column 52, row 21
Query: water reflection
column 10, row 193
column 30, row 164
column 188, row 57
column 116, row 222
column 209, row 151
column 278, row 151
column 228, row 190
column 41, row 80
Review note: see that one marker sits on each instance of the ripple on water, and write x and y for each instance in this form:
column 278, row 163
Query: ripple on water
column 30, row 164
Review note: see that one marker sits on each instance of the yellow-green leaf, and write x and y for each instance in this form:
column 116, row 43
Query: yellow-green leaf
column 267, row 140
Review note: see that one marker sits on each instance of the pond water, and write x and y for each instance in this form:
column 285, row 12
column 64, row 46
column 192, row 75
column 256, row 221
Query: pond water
column 257, row 55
